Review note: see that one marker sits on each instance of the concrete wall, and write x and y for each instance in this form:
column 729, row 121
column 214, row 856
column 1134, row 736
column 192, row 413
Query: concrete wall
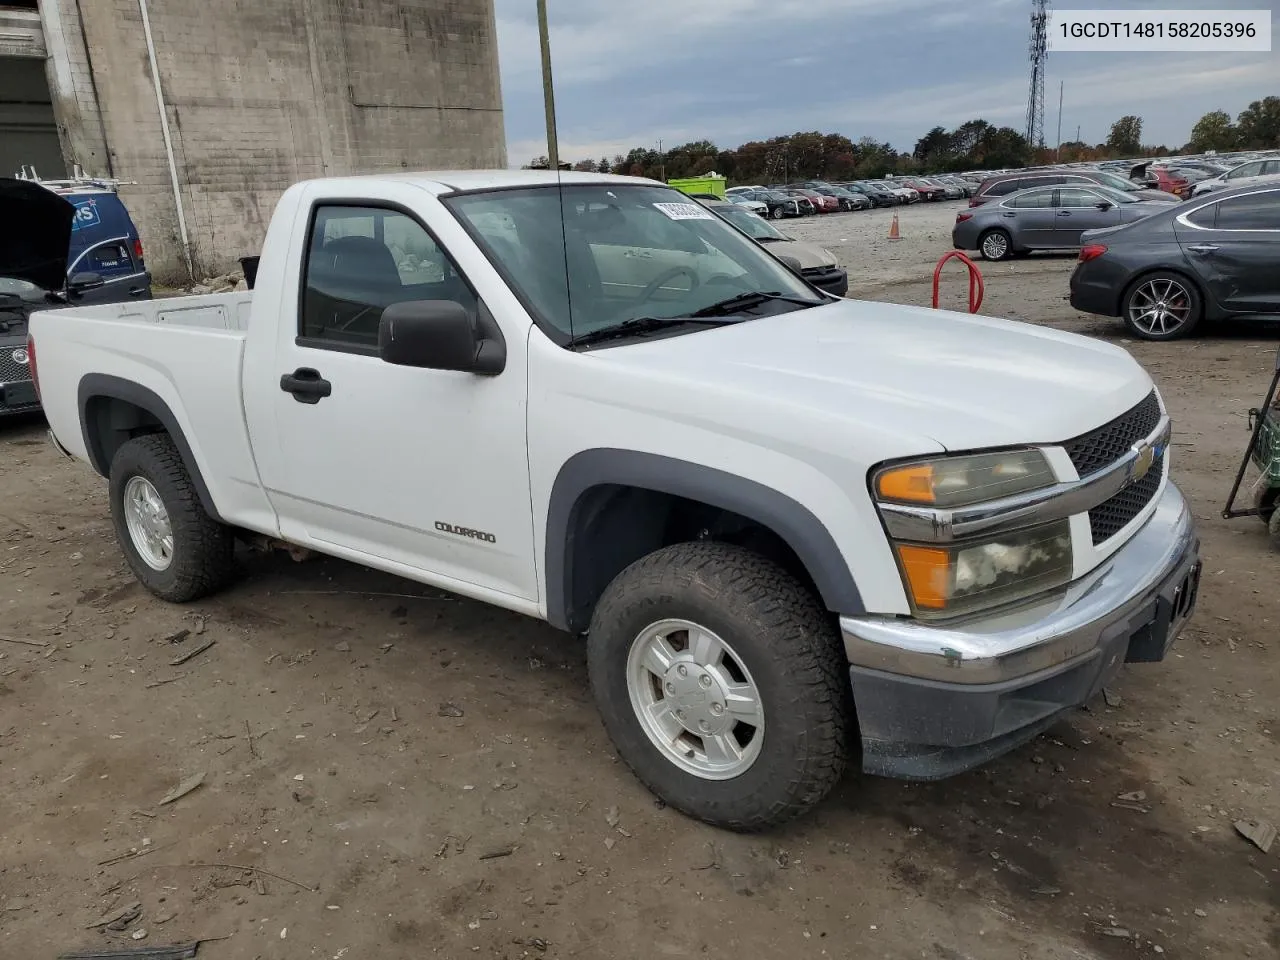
column 28, row 133
column 259, row 95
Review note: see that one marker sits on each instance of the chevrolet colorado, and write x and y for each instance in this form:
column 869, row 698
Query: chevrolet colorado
column 799, row 533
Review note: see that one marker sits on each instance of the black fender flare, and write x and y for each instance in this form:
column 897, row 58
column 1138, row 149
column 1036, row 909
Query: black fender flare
column 100, row 385
column 790, row 520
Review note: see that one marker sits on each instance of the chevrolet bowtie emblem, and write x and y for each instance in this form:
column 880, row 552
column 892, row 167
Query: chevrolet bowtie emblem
column 1142, row 465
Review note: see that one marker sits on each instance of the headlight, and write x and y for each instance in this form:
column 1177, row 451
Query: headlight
column 953, row 579
column 964, row 578
column 962, row 481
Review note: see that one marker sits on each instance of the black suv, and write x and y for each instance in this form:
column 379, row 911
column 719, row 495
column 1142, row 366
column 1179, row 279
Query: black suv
column 779, row 204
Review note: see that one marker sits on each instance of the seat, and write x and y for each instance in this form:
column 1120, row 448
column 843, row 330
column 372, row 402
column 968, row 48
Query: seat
column 350, row 280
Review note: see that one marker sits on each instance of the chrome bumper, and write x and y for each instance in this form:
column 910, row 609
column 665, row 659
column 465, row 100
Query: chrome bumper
column 53, row 439
column 1160, row 563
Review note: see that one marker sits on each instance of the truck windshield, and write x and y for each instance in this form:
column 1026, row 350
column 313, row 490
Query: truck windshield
column 587, row 257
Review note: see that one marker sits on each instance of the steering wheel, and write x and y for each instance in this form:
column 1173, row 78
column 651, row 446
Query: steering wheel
column 723, row 278
column 658, row 282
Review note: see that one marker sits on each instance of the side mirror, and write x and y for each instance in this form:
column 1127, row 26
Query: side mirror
column 78, row 283
column 440, row 335
column 1103, row 204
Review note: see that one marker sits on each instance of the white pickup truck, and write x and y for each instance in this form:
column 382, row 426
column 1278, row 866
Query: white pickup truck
column 799, row 532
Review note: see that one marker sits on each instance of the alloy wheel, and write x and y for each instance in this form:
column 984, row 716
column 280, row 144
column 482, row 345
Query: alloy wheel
column 695, row 699
column 1160, row 306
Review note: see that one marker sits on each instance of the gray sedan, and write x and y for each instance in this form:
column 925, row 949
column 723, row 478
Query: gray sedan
column 1046, row 218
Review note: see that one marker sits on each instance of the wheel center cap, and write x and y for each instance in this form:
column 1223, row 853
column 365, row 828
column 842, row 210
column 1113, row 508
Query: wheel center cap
column 697, row 698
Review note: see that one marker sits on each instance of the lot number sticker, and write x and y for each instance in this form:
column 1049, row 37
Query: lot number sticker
column 684, row 211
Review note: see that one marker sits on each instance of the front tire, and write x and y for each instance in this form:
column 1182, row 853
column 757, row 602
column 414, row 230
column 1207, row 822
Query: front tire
column 175, row 549
column 996, row 245
column 778, row 213
column 1161, row 306
column 722, row 683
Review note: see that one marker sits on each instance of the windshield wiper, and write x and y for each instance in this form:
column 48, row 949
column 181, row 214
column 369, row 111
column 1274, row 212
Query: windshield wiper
column 767, row 239
column 639, row 325
column 752, row 298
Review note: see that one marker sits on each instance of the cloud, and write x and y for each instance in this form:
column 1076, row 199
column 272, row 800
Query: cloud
column 738, row 70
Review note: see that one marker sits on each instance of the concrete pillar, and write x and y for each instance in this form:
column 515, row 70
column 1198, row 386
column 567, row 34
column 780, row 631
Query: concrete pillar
column 71, row 85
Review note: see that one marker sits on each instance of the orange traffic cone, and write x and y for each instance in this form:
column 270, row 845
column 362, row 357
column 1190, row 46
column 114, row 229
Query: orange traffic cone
column 893, row 228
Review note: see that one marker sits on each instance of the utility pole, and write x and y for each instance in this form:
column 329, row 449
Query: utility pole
column 662, row 163
column 1062, row 86
column 548, row 88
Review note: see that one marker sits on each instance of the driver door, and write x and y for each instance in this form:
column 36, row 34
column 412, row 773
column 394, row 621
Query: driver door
column 1077, row 212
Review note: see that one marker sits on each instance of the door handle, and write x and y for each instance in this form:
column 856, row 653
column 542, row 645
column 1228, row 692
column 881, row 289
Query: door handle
column 1064, row 213
column 137, row 291
column 306, row 385
column 1010, row 215
column 1203, row 247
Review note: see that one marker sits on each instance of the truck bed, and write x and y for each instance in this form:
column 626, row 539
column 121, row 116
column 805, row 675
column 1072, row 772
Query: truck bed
column 187, row 352
column 214, row 311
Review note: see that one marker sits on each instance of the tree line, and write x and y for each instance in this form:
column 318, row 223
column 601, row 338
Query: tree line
column 975, row 145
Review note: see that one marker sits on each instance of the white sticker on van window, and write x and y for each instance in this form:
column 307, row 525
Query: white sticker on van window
column 685, row 211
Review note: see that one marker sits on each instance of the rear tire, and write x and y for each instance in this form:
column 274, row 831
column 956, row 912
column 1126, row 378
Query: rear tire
column 681, row 643
column 1265, row 503
column 1273, row 528
column 995, row 245
column 1161, row 306
column 175, row 549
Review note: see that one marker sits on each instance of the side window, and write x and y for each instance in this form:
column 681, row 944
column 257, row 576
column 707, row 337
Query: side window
column 1257, row 211
column 110, row 258
column 1205, row 217
column 1076, row 198
column 1002, row 188
column 1247, row 170
column 1270, row 167
column 360, row 260
column 1033, row 199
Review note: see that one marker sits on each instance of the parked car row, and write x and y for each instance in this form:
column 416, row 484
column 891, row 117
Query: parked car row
column 1162, row 260
column 778, row 201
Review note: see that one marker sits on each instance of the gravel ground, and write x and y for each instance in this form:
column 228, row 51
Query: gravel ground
column 407, row 774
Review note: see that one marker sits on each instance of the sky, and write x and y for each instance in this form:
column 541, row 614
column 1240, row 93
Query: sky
column 630, row 74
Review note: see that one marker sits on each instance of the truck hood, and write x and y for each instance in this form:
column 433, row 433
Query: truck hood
column 38, row 251
column 931, row 377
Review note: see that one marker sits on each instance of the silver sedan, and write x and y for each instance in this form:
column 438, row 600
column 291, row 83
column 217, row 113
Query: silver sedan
column 1046, row 218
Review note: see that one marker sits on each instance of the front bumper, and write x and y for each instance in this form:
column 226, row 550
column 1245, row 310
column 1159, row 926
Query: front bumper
column 831, row 279
column 18, row 396
column 935, row 700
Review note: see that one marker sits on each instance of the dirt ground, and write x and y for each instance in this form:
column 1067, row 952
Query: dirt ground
column 407, row 774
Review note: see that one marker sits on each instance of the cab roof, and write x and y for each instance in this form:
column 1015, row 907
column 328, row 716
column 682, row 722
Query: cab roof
column 451, row 181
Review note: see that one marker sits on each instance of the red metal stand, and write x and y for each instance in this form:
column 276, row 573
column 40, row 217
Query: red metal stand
column 976, row 287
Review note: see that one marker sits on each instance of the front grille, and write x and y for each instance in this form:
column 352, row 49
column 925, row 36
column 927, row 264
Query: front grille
column 1109, row 518
column 1102, row 447
column 818, row 274
column 11, row 371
